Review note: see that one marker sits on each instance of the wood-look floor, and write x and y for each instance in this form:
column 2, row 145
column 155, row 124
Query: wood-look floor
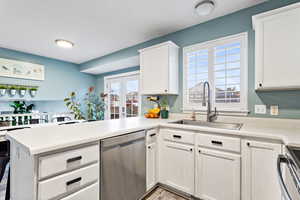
column 161, row 194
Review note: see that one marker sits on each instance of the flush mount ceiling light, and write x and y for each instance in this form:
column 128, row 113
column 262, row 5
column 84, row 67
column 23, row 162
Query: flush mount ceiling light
column 64, row 43
column 205, row 8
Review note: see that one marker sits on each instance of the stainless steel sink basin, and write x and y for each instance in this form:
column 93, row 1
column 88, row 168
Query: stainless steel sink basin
column 229, row 126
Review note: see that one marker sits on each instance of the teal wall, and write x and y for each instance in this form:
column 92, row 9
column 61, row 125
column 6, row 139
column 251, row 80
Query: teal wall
column 224, row 26
column 61, row 78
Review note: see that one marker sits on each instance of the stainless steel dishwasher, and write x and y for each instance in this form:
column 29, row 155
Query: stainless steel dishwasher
column 123, row 167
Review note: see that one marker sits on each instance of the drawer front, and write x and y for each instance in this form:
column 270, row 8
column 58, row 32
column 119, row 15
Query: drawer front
column 69, row 182
column 152, row 136
column 90, row 193
column 179, row 136
column 62, row 162
column 219, row 142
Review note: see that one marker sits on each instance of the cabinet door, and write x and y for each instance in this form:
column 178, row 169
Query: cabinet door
column 154, row 70
column 260, row 179
column 217, row 175
column 278, row 50
column 151, row 165
column 177, row 166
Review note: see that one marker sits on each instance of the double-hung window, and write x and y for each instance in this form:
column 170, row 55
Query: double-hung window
column 223, row 63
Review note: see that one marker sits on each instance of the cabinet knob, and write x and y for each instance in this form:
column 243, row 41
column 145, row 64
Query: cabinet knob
column 191, row 149
column 149, row 147
column 166, row 90
column 199, row 151
column 260, row 85
column 248, row 144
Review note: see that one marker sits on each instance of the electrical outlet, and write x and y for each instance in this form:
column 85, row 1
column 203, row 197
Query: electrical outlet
column 260, row 109
column 274, row 110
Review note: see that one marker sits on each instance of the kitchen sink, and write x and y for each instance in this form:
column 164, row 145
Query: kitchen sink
column 229, row 126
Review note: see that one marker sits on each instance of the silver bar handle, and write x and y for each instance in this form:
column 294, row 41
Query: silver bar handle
column 282, row 159
column 291, row 166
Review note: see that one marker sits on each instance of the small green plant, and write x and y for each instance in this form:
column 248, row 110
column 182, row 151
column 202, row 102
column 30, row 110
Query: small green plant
column 20, row 107
column 95, row 105
column 74, row 106
column 164, row 103
column 13, row 87
column 22, row 88
column 3, row 87
column 33, row 89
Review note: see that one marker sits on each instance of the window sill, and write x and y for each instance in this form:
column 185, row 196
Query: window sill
column 221, row 112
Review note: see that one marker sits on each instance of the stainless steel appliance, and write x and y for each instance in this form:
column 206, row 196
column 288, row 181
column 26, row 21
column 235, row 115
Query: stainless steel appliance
column 288, row 168
column 123, row 167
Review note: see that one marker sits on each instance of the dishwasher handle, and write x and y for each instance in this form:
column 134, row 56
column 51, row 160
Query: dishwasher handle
column 282, row 159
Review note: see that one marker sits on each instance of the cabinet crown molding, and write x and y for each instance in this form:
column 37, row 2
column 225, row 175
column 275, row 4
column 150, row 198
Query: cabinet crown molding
column 261, row 16
column 159, row 45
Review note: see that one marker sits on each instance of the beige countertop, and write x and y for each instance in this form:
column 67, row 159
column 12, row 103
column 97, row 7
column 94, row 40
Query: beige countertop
column 43, row 139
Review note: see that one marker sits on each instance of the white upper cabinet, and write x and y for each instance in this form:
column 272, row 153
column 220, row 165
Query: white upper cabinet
column 159, row 69
column 277, row 47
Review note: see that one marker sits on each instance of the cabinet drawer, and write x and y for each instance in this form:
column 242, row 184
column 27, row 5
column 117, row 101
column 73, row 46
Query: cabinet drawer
column 90, row 193
column 68, row 182
column 179, row 136
column 219, row 142
column 151, row 136
column 61, row 162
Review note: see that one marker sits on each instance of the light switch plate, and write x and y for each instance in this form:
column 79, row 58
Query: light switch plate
column 274, row 110
column 260, row 109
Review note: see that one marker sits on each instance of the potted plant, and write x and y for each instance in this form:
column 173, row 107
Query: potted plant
column 3, row 89
column 164, row 113
column 74, row 106
column 13, row 90
column 32, row 91
column 22, row 90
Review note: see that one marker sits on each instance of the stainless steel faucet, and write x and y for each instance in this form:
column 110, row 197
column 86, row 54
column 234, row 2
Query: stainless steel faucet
column 211, row 116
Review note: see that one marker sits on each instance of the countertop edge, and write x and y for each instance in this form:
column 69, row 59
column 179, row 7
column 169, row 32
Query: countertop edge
column 236, row 133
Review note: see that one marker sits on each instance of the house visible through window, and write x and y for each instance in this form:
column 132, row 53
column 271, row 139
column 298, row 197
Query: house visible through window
column 223, row 63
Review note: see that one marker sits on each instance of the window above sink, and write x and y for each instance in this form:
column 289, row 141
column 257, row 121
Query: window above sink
column 223, row 63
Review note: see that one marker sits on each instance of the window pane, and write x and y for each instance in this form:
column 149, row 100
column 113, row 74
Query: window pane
column 220, row 67
column 235, row 72
column 229, row 45
column 220, row 81
column 220, row 53
column 233, row 65
column 219, row 63
column 132, row 98
column 197, row 73
column 233, row 80
column 227, row 74
column 219, row 60
column 220, row 74
column 233, row 58
column 234, row 51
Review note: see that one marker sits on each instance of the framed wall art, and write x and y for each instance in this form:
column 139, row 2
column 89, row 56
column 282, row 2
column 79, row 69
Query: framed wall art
column 22, row 70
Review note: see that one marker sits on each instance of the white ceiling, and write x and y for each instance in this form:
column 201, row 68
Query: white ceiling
column 97, row 27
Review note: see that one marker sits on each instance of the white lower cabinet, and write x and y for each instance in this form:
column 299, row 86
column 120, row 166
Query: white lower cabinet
column 68, row 182
column 260, row 181
column 177, row 166
column 217, row 175
column 151, row 165
column 90, row 193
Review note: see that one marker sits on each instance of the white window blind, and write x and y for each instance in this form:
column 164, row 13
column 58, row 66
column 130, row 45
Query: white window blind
column 223, row 64
column 197, row 74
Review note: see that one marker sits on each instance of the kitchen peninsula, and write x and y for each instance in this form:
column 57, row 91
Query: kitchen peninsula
column 41, row 156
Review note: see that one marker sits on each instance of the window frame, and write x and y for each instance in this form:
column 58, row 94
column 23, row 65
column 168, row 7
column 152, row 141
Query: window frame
column 241, row 107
